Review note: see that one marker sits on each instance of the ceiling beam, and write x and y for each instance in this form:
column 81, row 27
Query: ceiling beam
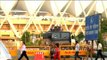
column 2, row 22
column 69, row 3
column 92, row 6
column 13, row 28
column 94, row 2
column 32, row 17
column 82, row 8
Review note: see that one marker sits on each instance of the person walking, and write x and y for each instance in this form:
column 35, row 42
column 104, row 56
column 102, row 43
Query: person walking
column 77, row 48
column 57, row 52
column 89, row 49
column 99, row 51
column 23, row 52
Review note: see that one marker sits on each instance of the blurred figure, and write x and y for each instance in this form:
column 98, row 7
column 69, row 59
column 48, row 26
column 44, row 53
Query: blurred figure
column 23, row 51
column 57, row 52
column 99, row 51
column 52, row 29
column 52, row 50
column 33, row 38
column 89, row 49
column 77, row 48
column 4, row 53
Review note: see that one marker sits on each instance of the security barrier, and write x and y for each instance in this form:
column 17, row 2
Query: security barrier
column 39, row 56
column 32, row 50
column 12, row 50
column 65, row 50
column 68, row 50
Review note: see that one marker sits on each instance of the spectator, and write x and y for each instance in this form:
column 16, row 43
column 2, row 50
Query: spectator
column 99, row 51
column 89, row 49
column 77, row 48
column 57, row 52
column 52, row 51
column 23, row 51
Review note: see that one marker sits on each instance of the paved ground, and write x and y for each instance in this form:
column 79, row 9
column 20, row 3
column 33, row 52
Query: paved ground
column 98, row 59
column 32, row 58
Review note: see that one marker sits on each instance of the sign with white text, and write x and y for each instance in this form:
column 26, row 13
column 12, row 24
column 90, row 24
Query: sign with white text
column 92, row 27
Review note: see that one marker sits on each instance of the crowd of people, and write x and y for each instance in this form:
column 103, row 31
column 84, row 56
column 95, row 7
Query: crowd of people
column 56, row 29
column 89, row 51
column 55, row 51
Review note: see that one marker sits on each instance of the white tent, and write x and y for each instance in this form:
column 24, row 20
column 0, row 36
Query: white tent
column 4, row 54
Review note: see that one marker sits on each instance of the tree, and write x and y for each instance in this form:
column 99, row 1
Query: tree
column 104, row 25
column 80, row 36
column 102, row 31
column 26, row 37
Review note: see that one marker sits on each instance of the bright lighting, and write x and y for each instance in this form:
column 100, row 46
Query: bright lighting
column 7, row 5
column 57, row 6
column 99, row 7
column 32, row 5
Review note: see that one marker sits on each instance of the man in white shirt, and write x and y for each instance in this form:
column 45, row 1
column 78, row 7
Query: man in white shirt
column 77, row 48
column 23, row 52
column 99, row 51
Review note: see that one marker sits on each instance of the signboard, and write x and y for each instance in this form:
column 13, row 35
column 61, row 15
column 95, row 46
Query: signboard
column 92, row 27
column 61, row 36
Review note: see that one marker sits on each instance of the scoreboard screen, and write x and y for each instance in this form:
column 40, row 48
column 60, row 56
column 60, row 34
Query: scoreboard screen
column 60, row 35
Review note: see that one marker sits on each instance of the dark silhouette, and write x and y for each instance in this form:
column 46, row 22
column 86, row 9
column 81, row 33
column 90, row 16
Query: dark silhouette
column 23, row 50
column 99, row 51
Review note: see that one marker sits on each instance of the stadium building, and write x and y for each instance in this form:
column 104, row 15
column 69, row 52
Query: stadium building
column 34, row 16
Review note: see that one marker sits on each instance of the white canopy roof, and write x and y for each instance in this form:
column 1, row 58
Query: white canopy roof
column 75, row 8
